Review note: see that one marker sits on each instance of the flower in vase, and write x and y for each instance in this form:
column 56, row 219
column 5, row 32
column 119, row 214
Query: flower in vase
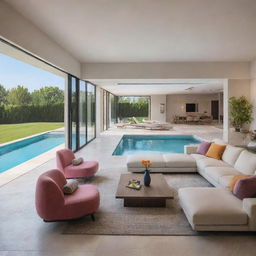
column 146, row 163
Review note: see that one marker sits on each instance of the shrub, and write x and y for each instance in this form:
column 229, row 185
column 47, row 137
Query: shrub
column 10, row 114
column 130, row 109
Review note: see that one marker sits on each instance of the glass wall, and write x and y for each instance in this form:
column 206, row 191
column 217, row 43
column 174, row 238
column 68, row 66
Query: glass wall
column 113, row 108
column 81, row 112
column 73, row 113
column 105, row 110
column 110, row 105
column 90, row 111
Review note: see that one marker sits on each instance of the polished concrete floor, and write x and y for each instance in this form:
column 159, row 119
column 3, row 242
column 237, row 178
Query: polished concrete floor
column 22, row 232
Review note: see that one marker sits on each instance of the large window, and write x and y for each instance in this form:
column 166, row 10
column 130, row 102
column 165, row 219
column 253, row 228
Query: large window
column 133, row 106
column 110, row 109
column 90, row 111
column 81, row 112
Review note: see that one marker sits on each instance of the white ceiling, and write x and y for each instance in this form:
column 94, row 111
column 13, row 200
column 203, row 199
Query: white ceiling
column 147, row 30
column 161, row 86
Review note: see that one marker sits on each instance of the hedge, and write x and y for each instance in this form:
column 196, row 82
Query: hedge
column 10, row 114
column 126, row 109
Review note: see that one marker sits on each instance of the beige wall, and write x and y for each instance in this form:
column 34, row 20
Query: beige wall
column 236, row 70
column 176, row 104
column 253, row 93
column 156, row 100
column 20, row 31
column 234, row 88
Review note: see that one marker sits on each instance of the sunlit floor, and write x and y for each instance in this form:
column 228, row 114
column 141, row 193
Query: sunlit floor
column 22, row 232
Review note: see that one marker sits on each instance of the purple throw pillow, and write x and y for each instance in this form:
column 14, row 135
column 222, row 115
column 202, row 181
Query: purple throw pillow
column 245, row 188
column 203, row 147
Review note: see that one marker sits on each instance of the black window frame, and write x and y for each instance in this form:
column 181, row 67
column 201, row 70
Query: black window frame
column 77, row 121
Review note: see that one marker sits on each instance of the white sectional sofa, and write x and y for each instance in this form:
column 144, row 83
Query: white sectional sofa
column 209, row 209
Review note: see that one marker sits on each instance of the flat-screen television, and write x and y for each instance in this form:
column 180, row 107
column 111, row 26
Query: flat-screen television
column 191, row 107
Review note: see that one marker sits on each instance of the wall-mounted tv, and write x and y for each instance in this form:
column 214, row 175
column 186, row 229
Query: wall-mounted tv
column 191, row 107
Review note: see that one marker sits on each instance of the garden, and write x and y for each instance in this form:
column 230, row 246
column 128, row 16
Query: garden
column 24, row 113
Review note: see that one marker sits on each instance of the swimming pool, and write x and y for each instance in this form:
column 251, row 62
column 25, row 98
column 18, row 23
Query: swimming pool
column 134, row 144
column 18, row 152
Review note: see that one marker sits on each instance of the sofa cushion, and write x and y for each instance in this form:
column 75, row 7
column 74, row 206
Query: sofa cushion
column 224, row 181
column 203, row 147
column 231, row 154
column 245, row 188
column 134, row 161
column 217, row 172
column 207, row 162
column 216, row 151
column 198, row 156
column 235, row 179
column 246, row 162
column 212, row 206
column 179, row 160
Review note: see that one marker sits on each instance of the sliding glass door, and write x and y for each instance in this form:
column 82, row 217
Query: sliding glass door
column 81, row 112
column 73, row 113
column 110, row 109
column 90, row 111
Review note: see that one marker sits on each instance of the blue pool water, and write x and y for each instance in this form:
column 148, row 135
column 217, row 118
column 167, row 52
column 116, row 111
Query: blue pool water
column 18, row 152
column 129, row 145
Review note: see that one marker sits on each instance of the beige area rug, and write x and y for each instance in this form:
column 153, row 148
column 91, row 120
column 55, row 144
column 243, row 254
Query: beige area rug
column 114, row 219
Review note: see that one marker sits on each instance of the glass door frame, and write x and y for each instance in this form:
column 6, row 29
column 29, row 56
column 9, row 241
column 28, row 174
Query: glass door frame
column 77, row 109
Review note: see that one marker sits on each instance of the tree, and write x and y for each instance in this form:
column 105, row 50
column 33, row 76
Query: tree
column 3, row 94
column 19, row 96
column 47, row 95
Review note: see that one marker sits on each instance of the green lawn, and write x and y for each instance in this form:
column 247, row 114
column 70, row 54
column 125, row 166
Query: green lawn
column 9, row 132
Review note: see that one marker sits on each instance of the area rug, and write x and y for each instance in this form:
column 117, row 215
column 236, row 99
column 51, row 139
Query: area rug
column 114, row 219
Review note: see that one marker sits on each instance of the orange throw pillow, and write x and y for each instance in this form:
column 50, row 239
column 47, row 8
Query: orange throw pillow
column 216, row 151
column 235, row 179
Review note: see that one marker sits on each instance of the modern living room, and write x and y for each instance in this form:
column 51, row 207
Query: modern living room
column 200, row 198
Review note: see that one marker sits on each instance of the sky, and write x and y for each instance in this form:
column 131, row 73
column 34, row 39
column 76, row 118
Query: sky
column 14, row 72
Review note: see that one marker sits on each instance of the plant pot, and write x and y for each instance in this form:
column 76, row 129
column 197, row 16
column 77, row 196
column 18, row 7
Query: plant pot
column 147, row 178
column 237, row 129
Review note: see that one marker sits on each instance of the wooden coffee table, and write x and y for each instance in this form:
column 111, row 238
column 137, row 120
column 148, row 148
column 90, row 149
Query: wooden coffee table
column 153, row 196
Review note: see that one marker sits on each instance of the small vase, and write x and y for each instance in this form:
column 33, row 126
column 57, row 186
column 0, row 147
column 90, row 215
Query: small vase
column 147, row 178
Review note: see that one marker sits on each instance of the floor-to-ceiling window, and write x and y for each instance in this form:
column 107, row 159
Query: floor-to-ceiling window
column 110, row 109
column 73, row 94
column 105, row 109
column 81, row 112
column 90, row 111
column 113, row 108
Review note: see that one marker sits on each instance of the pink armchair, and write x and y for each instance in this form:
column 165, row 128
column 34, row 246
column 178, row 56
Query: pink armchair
column 53, row 205
column 64, row 163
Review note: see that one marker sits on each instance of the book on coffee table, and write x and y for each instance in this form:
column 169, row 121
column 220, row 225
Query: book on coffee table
column 134, row 184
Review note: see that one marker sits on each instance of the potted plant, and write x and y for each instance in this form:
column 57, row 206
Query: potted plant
column 240, row 111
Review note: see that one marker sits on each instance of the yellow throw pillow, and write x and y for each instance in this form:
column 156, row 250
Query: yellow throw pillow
column 235, row 179
column 216, row 151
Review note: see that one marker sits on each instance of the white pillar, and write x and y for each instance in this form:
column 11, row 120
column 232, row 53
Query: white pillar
column 225, row 110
